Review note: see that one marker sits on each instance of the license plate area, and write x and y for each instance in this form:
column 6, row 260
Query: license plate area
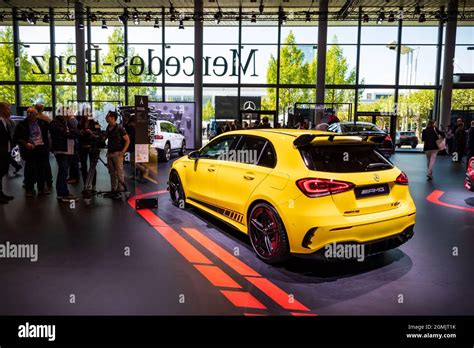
column 371, row 191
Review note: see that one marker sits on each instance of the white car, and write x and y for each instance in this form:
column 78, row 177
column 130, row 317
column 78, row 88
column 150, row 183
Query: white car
column 167, row 140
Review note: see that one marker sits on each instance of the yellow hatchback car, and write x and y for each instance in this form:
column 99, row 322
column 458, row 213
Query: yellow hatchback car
column 297, row 191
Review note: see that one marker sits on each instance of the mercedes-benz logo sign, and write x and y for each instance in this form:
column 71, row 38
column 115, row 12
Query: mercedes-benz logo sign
column 250, row 105
column 376, row 177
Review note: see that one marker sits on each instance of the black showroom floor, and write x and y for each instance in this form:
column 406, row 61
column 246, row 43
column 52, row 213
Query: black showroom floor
column 184, row 262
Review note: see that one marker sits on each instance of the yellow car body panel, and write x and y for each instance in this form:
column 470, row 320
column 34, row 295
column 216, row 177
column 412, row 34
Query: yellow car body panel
column 226, row 194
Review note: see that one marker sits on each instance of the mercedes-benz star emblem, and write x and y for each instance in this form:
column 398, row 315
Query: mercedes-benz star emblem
column 376, row 177
column 250, row 105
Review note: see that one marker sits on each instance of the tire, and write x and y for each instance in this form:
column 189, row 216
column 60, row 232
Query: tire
column 399, row 145
column 183, row 148
column 176, row 189
column 267, row 234
column 414, row 145
column 165, row 154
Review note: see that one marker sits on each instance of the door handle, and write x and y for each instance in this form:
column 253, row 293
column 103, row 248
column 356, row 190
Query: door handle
column 249, row 176
column 211, row 169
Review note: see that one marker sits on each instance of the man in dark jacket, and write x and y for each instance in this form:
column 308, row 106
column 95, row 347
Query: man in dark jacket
column 63, row 147
column 6, row 144
column 429, row 136
column 470, row 142
column 460, row 140
column 31, row 135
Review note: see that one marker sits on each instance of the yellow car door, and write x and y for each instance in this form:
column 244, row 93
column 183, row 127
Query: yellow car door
column 239, row 175
column 201, row 172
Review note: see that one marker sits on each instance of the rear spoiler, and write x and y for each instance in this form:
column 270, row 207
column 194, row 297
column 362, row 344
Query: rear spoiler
column 306, row 139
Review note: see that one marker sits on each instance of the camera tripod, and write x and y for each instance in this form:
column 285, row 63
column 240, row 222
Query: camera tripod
column 89, row 190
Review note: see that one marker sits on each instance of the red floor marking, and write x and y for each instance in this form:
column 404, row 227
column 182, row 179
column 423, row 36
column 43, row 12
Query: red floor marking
column 434, row 197
column 152, row 218
column 182, row 245
column 266, row 286
column 217, row 276
column 243, row 299
column 221, row 253
column 277, row 294
column 296, row 314
column 254, row 315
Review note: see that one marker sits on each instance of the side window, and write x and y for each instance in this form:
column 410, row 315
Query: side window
column 268, row 157
column 255, row 150
column 217, row 148
column 333, row 128
column 165, row 127
column 173, row 128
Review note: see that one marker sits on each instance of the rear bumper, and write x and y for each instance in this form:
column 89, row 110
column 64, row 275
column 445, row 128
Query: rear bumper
column 369, row 248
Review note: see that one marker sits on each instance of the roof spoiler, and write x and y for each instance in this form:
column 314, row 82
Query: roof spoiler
column 306, row 139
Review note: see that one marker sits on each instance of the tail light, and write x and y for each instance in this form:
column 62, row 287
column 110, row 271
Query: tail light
column 158, row 137
column 314, row 187
column 402, row 179
column 388, row 138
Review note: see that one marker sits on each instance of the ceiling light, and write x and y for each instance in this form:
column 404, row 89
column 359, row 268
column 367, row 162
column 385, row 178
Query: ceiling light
column 282, row 16
column 46, row 19
column 181, row 24
column 366, row 18
column 124, row 17
column 391, row 17
column 261, row 7
column 381, row 16
column 2, row 16
column 422, row 18
column 308, row 17
column 253, row 19
column 157, row 23
column 417, row 10
column 148, row 17
column 218, row 16
column 93, row 17
column 104, row 24
column 136, row 19
column 80, row 25
column 31, row 18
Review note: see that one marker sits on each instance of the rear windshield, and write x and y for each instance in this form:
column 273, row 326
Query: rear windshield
column 411, row 134
column 344, row 159
column 348, row 127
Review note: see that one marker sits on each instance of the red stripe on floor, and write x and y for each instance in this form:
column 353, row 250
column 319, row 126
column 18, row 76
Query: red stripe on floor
column 434, row 197
column 254, row 315
column 151, row 218
column 243, row 299
column 277, row 294
column 217, row 276
column 182, row 245
column 296, row 314
column 221, row 253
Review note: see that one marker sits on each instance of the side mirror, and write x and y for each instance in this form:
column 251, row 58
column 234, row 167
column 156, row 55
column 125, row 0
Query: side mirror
column 194, row 155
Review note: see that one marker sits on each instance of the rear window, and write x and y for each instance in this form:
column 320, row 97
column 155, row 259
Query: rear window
column 347, row 128
column 344, row 159
column 408, row 134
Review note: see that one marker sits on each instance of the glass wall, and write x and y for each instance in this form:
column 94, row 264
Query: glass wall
column 263, row 60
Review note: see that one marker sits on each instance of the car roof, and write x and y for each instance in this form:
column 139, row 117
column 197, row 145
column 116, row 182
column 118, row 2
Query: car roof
column 280, row 134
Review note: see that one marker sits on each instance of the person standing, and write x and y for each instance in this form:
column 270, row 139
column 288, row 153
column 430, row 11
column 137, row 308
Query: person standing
column 63, row 146
column 470, row 142
column 460, row 140
column 48, row 172
column 74, row 166
column 31, row 135
column 6, row 145
column 118, row 142
column 141, row 171
column 429, row 136
column 87, row 146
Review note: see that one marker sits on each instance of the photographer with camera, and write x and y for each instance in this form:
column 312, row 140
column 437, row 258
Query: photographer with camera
column 89, row 134
column 118, row 143
column 63, row 147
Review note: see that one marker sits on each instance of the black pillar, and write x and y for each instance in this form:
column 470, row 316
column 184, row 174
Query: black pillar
column 356, row 94
column 16, row 55
column 448, row 64
column 52, row 62
column 198, row 52
column 321, row 68
column 396, row 111
column 438, row 68
column 80, row 52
